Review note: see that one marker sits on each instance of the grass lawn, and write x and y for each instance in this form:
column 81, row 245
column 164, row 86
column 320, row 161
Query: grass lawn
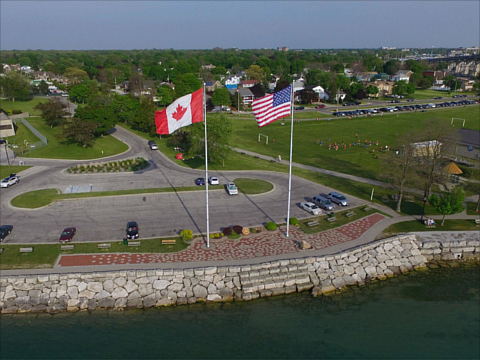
column 104, row 146
column 471, row 207
column 324, row 225
column 413, row 225
column 22, row 135
column 6, row 170
column 430, row 94
column 253, row 186
column 45, row 256
column 24, row 106
column 353, row 160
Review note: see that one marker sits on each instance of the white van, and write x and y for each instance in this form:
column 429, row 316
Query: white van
column 323, row 202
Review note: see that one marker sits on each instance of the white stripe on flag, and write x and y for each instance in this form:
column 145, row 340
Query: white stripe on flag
column 265, row 113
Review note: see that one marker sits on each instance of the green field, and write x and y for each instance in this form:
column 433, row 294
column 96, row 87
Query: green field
column 24, row 106
column 414, row 225
column 104, row 146
column 22, row 136
column 6, row 170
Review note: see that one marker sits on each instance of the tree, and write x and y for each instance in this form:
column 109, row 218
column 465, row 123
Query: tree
column 372, row 90
column 100, row 115
column 425, row 83
column 187, row 84
column 43, row 87
column 80, row 132
column 79, row 93
column 165, row 95
column 400, row 168
column 309, row 96
column 255, row 72
column 125, row 107
column 282, row 84
column 219, row 132
column 448, row 203
column 415, row 79
column 221, row 96
column 144, row 119
column 53, row 112
column 400, row 87
column 15, row 87
column 75, row 75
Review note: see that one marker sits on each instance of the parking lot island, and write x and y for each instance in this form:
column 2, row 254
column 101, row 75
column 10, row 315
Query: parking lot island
column 129, row 289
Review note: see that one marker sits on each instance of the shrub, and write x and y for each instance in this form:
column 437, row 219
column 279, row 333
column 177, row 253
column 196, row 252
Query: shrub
column 227, row 231
column 222, row 234
column 69, row 170
column 245, row 231
column 217, row 235
column 293, row 221
column 238, row 229
column 16, row 112
column 234, row 236
column 211, row 236
column 271, row 226
column 186, row 235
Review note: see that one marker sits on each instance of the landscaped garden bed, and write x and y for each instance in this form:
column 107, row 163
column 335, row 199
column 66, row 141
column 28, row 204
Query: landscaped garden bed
column 112, row 166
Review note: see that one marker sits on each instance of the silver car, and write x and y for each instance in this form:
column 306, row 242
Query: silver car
column 311, row 208
column 9, row 181
column 338, row 198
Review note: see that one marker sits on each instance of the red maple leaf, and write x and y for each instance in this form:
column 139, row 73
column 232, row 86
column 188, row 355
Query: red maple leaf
column 179, row 112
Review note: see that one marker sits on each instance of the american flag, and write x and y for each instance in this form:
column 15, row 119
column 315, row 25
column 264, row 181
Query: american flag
column 272, row 107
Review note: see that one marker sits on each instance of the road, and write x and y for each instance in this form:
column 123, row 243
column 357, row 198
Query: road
column 165, row 214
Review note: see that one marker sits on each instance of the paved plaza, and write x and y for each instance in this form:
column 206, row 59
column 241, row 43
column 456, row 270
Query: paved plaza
column 253, row 246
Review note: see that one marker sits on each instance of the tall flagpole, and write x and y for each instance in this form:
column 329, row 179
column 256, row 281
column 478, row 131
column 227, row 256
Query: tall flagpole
column 206, row 164
column 290, row 167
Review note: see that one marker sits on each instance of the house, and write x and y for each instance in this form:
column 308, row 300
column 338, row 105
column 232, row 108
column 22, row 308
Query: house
column 298, row 85
column 6, row 68
column 248, row 83
column 382, row 76
column 426, row 147
column 208, row 67
column 6, row 126
column 339, row 96
column 466, row 84
column 233, row 80
column 246, row 95
column 212, row 85
column 318, row 90
column 384, row 88
column 26, row 69
column 402, row 75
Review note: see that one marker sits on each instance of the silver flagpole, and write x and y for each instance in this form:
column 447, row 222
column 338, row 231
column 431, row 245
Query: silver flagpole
column 206, row 164
column 290, row 167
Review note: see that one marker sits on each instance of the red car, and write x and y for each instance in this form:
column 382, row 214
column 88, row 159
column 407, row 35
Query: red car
column 321, row 106
column 67, row 234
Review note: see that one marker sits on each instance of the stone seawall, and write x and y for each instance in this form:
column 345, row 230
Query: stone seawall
column 150, row 288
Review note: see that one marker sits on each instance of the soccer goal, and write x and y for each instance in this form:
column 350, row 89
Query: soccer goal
column 266, row 138
column 462, row 120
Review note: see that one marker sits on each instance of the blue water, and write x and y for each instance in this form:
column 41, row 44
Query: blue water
column 428, row 315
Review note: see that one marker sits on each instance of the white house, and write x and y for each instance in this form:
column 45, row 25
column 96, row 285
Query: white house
column 402, row 75
column 298, row 85
column 26, row 69
column 233, row 80
column 318, row 90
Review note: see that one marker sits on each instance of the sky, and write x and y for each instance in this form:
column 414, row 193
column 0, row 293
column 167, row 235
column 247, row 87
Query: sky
column 126, row 25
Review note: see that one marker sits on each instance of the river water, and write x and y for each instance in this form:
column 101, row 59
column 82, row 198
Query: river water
column 432, row 314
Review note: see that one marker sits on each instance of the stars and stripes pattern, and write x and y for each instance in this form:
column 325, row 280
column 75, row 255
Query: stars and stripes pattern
column 272, row 107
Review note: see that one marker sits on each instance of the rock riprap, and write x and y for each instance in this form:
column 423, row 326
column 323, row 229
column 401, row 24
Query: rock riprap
column 149, row 288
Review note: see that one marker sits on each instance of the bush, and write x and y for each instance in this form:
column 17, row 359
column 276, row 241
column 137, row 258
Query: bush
column 227, row 231
column 16, row 112
column 271, row 226
column 238, row 229
column 245, row 231
column 293, row 221
column 234, row 236
column 211, row 236
column 186, row 235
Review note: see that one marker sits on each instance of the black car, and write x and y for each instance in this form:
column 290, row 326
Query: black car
column 438, row 98
column 132, row 230
column 5, row 230
column 299, row 108
column 3, row 141
column 395, row 101
column 153, row 145
column 200, row 181
column 410, row 99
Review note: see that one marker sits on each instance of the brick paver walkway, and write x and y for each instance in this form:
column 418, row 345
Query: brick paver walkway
column 255, row 245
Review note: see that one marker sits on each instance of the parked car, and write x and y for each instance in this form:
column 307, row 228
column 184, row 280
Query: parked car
column 299, row 108
column 5, row 230
column 321, row 106
column 213, row 180
column 9, row 181
column 395, row 101
column 153, row 145
column 338, row 198
column 2, row 141
column 438, row 98
column 323, row 202
column 67, row 234
column 200, row 181
column 232, row 189
column 410, row 99
column 132, row 230
column 311, row 208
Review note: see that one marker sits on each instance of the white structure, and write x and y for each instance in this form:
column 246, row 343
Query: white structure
column 233, row 80
column 6, row 126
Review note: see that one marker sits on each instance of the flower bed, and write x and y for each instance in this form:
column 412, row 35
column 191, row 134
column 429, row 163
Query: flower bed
column 128, row 165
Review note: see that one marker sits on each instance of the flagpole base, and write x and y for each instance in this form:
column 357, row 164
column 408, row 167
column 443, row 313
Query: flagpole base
column 211, row 247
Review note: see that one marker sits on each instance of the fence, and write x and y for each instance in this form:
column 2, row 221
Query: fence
column 35, row 131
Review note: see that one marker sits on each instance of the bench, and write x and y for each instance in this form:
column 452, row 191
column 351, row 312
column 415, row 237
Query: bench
column 1, row 250
column 67, row 247
column 104, row 246
column 312, row 223
column 349, row 214
column 367, row 208
column 134, row 243
column 26, row 250
column 167, row 242
column 332, row 219
column 477, row 222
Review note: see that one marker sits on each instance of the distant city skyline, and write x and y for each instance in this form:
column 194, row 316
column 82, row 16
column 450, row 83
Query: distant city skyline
column 184, row 25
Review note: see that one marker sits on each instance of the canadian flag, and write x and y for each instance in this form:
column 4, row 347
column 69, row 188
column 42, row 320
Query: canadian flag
column 182, row 112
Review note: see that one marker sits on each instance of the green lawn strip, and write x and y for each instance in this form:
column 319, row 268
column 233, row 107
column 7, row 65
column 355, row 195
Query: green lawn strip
column 414, row 226
column 45, row 255
column 471, row 207
column 324, row 224
column 104, row 146
column 24, row 106
column 253, row 186
column 39, row 198
column 6, row 170
column 430, row 94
